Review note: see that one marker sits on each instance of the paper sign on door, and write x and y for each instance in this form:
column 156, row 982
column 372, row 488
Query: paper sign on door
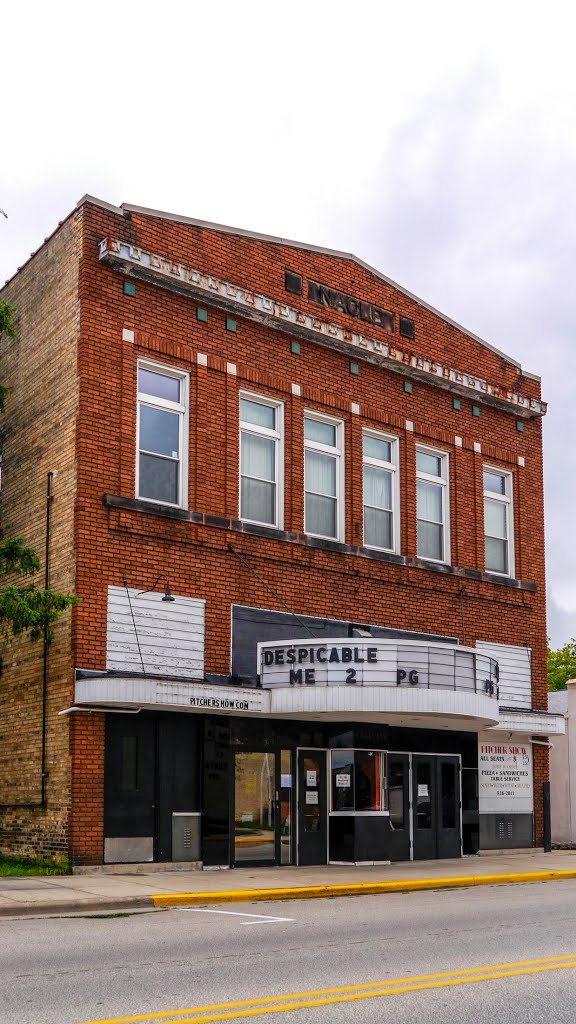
column 311, row 778
column 343, row 781
column 312, row 796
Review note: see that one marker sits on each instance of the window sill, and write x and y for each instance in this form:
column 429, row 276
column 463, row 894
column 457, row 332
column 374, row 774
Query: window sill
column 125, row 504
column 359, row 814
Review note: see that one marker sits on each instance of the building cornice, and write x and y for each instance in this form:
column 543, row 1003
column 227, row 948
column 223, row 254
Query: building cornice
column 280, row 316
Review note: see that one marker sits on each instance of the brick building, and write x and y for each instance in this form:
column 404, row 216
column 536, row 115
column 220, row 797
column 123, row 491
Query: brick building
column 303, row 512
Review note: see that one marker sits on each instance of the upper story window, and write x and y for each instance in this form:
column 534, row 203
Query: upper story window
column 162, row 434
column 323, row 476
column 432, row 523
column 261, row 460
column 498, row 546
column 380, row 488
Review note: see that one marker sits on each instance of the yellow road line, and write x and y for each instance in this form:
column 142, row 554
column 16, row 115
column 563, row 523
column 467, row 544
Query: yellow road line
column 283, row 1008
column 354, row 889
column 347, row 993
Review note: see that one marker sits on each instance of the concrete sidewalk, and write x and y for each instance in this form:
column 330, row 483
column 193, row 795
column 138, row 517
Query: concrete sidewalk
column 107, row 893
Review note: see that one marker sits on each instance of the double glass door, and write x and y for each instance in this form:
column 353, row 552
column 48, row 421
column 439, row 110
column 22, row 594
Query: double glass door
column 436, row 807
column 263, row 807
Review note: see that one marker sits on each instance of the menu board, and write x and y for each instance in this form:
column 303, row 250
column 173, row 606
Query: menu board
column 505, row 784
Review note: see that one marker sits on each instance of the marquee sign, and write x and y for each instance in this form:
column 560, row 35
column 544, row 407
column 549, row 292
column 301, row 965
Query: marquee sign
column 374, row 662
column 178, row 277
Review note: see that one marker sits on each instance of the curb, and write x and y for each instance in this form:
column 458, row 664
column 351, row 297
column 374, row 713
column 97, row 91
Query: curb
column 355, row 889
column 105, row 904
column 113, row 904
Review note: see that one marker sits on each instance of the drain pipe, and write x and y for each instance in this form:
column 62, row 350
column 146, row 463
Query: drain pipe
column 43, row 772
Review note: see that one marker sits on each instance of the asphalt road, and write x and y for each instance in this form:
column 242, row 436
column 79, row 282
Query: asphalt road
column 503, row 954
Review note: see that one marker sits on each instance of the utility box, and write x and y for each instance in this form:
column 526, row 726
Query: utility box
column 186, row 826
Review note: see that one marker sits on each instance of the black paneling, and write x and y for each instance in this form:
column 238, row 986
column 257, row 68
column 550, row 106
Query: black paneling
column 341, row 839
column 505, row 831
column 251, row 626
column 129, row 773
column 178, row 777
column 218, row 779
column 371, row 838
column 293, row 282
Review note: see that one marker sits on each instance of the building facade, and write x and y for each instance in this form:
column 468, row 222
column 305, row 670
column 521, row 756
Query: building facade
column 563, row 768
column 303, row 512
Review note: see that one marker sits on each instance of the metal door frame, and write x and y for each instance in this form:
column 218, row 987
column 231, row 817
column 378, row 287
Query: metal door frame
column 276, row 862
column 319, row 750
column 425, row 753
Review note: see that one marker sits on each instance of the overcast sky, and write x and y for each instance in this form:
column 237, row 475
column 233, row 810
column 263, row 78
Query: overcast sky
column 437, row 141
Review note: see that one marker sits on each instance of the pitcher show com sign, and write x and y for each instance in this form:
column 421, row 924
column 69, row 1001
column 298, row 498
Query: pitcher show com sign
column 505, row 783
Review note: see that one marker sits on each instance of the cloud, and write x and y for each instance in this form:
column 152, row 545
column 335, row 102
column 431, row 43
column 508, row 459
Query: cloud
column 473, row 209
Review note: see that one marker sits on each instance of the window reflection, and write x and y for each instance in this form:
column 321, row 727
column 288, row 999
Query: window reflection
column 357, row 781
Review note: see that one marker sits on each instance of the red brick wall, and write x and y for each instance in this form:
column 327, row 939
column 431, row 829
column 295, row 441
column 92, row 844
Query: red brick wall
column 109, row 543
column 195, row 557
column 540, row 767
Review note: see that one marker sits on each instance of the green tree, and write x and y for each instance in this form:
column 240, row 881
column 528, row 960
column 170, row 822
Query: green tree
column 24, row 607
column 561, row 665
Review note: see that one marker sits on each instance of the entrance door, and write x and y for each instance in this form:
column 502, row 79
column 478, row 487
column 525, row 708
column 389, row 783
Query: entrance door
column 129, row 789
column 312, row 810
column 436, row 806
column 449, row 842
column 398, row 839
column 255, row 808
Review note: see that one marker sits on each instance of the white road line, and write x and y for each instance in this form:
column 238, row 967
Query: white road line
column 261, row 918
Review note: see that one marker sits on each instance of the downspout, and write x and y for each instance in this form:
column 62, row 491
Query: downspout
column 43, row 773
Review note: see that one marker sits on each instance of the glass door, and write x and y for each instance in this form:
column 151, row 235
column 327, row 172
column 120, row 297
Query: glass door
column 424, row 812
column 436, row 806
column 312, row 807
column 449, row 831
column 398, row 781
column 255, row 808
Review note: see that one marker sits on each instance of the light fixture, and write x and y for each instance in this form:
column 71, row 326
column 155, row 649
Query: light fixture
column 168, row 595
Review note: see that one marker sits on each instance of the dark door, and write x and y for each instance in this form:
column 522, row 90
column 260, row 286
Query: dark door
column 449, row 842
column 398, row 838
column 129, row 789
column 424, row 815
column 312, row 809
column 436, row 807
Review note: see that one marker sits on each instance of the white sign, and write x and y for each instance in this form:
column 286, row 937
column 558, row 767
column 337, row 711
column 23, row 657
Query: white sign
column 422, row 789
column 505, row 784
column 286, row 781
column 311, row 778
column 407, row 664
column 126, row 691
column 343, row 781
column 247, row 817
column 312, row 796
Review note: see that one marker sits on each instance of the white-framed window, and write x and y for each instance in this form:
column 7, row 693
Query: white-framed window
column 261, row 460
column 162, row 434
column 432, row 513
column 380, row 491
column 498, row 521
column 323, row 476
